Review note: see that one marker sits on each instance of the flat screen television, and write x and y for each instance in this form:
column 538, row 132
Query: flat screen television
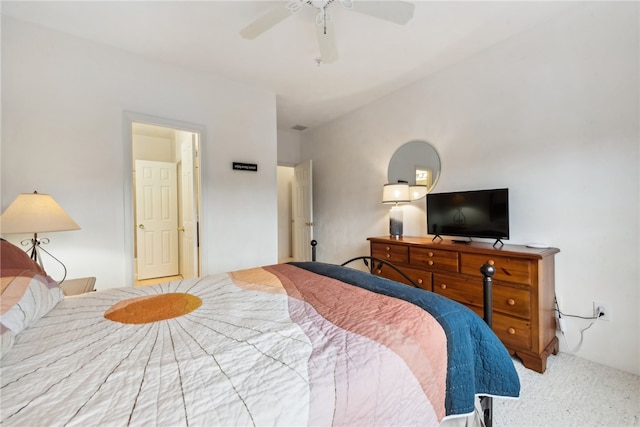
column 479, row 213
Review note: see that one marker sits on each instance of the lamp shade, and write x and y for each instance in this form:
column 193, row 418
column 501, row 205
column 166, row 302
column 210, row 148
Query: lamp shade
column 417, row 191
column 35, row 213
column 396, row 193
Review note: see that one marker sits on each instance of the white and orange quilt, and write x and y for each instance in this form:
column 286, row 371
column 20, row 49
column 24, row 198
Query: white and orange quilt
column 275, row 345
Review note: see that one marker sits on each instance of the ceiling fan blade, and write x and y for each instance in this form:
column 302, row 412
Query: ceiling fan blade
column 262, row 24
column 399, row 12
column 327, row 42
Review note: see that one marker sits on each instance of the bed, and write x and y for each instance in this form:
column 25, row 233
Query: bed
column 286, row 344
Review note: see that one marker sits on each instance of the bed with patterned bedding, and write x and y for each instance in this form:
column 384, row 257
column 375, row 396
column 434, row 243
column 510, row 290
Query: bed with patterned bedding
column 287, row 344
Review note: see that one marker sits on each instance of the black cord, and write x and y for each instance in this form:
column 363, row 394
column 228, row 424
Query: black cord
column 571, row 315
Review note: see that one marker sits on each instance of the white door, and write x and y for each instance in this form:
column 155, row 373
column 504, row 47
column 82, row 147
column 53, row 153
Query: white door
column 188, row 207
column 156, row 219
column 302, row 205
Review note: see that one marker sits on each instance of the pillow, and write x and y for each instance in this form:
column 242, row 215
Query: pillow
column 6, row 340
column 13, row 259
column 27, row 292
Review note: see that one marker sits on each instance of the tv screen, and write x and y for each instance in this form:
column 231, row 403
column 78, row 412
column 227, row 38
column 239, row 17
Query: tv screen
column 480, row 213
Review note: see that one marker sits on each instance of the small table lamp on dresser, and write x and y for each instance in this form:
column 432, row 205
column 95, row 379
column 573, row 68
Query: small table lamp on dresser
column 395, row 194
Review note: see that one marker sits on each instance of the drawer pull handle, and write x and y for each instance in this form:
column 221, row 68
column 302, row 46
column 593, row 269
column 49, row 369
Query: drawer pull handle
column 430, row 262
column 511, row 331
column 511, row 301
column 388, row 248
column 443, row 286
column 388, row 255
column 419, row 281
column 430, row 253
column 378, row 271
column 491, row 262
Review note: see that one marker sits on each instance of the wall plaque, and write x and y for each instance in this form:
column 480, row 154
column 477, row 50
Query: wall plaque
column 253, row 167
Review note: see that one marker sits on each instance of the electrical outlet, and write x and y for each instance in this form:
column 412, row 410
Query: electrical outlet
column 605, row 310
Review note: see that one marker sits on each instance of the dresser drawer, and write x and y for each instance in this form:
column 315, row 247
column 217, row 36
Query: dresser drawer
column 420, row 277
column 464, row 289
column 512, row 300
column 468, row 290
column 395, row 254
column 513, row 332
column 434, row 259
column 509, row 269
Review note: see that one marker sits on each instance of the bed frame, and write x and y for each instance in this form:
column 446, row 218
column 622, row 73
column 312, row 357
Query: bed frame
column 487, row 270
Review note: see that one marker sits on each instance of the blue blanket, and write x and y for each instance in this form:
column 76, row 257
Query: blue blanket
column 478, row 363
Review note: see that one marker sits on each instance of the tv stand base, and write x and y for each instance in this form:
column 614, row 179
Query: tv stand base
column 462, row 241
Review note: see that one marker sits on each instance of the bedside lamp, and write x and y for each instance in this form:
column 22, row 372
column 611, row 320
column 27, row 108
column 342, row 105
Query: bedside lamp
column 35, row 213
column 395, row 194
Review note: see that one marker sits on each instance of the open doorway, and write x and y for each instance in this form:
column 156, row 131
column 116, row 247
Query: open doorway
column 295, row 212
column 165, row 201
column 285, row 211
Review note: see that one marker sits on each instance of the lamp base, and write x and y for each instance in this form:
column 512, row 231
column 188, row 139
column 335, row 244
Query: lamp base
column 395, row 222
column 34, row 249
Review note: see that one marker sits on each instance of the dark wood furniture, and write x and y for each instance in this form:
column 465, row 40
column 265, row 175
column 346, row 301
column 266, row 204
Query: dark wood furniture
column 523, row 286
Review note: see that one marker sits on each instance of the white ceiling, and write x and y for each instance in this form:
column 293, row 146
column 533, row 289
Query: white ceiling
column 375, row 57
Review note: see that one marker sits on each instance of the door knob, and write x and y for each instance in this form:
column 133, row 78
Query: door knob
column 180, row 228
column 141, row 226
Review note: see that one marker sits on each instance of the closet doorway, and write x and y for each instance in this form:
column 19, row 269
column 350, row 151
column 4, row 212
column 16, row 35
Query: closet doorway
column 165, row 201
column 295, row 212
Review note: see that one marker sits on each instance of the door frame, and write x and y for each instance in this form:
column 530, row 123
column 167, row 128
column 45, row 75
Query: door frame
column 128, row 118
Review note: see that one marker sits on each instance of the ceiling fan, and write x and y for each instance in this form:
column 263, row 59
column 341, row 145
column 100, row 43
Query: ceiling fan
column 398, row 12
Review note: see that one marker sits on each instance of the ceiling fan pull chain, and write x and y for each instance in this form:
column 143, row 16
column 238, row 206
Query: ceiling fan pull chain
column 324, row 21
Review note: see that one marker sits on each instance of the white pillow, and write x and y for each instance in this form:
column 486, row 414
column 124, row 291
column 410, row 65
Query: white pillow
column 37, row 300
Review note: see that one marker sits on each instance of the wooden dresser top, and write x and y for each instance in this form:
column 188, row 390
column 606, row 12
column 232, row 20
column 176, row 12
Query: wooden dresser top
column 472, row 247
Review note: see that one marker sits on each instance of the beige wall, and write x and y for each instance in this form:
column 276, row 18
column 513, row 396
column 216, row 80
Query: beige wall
column 154, row 148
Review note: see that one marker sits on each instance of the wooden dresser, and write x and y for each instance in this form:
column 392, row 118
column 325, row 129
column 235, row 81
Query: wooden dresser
column 523, row 286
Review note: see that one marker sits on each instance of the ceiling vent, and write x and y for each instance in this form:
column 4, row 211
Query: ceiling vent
column 299, row 127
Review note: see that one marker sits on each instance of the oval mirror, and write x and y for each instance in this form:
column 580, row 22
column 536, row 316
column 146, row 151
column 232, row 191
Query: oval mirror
column 416, row 163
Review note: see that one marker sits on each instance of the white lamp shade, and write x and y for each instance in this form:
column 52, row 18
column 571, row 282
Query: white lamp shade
column 396, row 193
column 35, row 213
column 417, row 191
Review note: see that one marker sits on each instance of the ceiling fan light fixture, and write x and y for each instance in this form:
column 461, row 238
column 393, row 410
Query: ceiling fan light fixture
column 396, row 11
column 320, row 4
column 294, row 6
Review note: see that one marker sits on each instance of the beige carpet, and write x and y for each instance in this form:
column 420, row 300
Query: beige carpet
column 572, row 392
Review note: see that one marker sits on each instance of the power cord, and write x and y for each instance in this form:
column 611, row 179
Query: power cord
column 562, row 325
column 560, row 313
